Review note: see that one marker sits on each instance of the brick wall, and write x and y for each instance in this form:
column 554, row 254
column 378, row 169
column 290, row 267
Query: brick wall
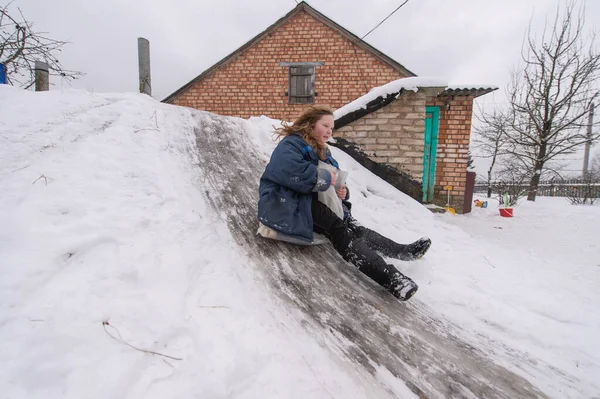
column 453, row 148
column 254, row 83
column 393, row 134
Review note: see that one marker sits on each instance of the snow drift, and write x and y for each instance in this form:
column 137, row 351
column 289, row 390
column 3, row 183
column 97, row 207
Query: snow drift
column 125, row 220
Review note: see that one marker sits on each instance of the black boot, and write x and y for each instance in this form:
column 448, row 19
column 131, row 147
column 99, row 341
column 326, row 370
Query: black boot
column 417, row 249
column 371, row 264
column 388, row 247
column 402, row 287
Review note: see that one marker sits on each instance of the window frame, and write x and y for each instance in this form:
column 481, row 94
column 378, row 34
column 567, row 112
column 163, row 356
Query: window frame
column 300, row 99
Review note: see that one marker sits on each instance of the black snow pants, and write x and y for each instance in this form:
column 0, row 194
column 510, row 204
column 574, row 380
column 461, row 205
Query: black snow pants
column 352, row 244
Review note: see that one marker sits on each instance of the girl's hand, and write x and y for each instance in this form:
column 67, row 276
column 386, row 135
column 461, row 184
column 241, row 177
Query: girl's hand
column 333, row 175
column 341, row 193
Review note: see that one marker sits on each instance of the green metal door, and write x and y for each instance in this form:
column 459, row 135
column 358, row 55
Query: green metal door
column 432, row 123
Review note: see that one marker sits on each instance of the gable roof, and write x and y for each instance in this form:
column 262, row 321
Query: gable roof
column 301, row 7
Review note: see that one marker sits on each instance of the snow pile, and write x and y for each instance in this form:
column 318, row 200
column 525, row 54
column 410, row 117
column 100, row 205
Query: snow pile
column 104, row 217
column 389, row 88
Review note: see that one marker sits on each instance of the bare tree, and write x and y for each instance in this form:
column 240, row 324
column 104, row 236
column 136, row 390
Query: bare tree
column 511, row 182
column 490, row 139
column 21, row 46
column 550, row 96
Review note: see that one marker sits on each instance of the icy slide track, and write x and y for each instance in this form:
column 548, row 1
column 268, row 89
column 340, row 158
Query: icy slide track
column 354, row 315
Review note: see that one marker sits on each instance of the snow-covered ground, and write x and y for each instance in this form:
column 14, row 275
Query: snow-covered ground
column 530, row 283
column 103, row 218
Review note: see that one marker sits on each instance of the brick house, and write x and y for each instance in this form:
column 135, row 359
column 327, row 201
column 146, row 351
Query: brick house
column 419, row 128
column 306, row 58
column 302, row 58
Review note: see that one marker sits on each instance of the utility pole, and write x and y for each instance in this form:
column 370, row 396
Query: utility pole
column 588, row 144
column 144, row 66
column 42, row 76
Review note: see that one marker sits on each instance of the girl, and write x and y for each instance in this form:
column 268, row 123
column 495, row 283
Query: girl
column 289, row 203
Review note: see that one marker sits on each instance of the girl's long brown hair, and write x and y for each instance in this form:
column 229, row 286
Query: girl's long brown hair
column 303, row 126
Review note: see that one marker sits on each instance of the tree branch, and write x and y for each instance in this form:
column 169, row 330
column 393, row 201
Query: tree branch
column 21, row 46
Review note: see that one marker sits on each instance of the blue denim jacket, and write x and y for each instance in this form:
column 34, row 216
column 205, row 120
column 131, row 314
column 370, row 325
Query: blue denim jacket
column 287, row 186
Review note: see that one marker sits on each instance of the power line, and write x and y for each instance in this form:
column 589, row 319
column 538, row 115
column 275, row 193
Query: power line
column 354, row 44
column 385, row 19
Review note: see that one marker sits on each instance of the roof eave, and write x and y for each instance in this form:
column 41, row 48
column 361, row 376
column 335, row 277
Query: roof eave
column 474, row 92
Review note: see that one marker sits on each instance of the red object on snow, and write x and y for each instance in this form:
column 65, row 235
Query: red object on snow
column 506, row 212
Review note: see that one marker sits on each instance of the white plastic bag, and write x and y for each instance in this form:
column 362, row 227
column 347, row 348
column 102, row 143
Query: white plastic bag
column 329, row 197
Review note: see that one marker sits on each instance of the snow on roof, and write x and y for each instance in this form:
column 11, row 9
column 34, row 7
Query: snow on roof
column 389, row 88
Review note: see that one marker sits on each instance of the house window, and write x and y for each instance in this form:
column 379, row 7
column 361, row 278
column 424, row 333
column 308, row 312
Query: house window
column 302, row 85
column 301, row 81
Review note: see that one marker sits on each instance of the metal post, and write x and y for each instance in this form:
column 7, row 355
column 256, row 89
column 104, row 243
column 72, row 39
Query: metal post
column 144, row 66
column 42, row 79
column 588, row 143
column 2, row 74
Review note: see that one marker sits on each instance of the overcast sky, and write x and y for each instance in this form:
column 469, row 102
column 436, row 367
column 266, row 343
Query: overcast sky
column 463, row 41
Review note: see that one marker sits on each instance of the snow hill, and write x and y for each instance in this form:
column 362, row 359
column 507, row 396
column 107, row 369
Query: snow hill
column 116, row 233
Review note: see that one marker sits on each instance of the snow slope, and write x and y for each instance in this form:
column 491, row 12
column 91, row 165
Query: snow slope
column 120, row 233
column 103, row 218
column 525, row 289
